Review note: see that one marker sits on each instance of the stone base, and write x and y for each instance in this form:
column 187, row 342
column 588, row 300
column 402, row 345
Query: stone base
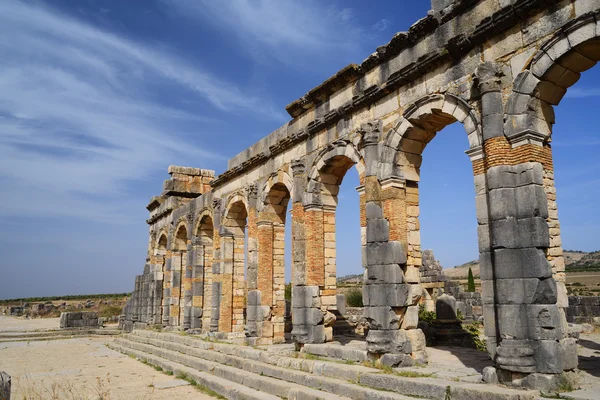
column 546, row 383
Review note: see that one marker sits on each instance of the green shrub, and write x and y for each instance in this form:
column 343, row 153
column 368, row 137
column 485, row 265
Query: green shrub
column 354, row 298
column 288, row 291
column 426, row 316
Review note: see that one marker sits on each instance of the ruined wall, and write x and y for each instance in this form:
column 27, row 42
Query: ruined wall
column 495, row 66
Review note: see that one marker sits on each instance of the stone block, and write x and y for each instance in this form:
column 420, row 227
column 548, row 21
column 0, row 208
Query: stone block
column 389, row 341
column 519, row 291
column 307, row 316
column 383, row 317
column 515, row 176
column 373, row 210
column 417, row 340
column 411, row 318
column 503, row 203
column 397, row 360
column 531, row 201
column 305, row 297
column 533, row 232
column 568, row 347
column 378, row 230
column 340, row 300
column 439, row 5
column 391, row 273
column 445, row 308
column 490, row 376
column 391, row 252
column 545, row 322
column 512, row 321
column 548, row 356
column 390, row 294
column 5, row 386
column 515, row 263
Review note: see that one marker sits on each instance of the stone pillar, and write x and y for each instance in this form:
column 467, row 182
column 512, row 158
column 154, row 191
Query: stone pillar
column 5, row 386
column 307, row 318
column 226, row 282
column 176, row 268
column 278, row 300
column 187, row 263
column 199, row 261
column 525, row 328
column 391, row 302
column 166, row 298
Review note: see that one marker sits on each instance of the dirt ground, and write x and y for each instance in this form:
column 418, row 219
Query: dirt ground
column 81, row 368
column 12, row 324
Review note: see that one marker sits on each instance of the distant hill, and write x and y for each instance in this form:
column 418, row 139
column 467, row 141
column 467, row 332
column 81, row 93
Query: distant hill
column 587, row 261
column 358, row 278
column 575, row 261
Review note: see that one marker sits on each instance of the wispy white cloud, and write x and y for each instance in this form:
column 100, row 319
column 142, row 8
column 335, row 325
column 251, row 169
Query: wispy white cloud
column 80, row 118
column 288, row 31
column 577, row 92
column 381, row 25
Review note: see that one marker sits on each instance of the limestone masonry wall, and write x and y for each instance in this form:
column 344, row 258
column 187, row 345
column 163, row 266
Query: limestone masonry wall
column 497, row 67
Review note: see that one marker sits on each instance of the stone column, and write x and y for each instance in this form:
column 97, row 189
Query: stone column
column 525, row 328
column 215, row 289
column 391, row 303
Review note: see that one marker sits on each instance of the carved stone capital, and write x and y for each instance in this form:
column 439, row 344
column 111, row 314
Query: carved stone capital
column 216, row 205
column 370, row 132
column 252, row 191
column 298, row 167
column 488, row 77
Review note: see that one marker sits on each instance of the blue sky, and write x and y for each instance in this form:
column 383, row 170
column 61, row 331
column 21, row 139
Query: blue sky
column 98, row 97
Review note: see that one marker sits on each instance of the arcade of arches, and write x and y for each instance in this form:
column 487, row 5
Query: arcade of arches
column 216, row 250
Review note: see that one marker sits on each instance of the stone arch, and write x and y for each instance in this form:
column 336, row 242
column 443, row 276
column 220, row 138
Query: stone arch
column 236, row 212
column 328, row 171
column 545, row 80
column 162, row 244
column 275, row 196
column 181, row 237
column 403, row 145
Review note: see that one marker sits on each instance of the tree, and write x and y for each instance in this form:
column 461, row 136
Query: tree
column 470, row 282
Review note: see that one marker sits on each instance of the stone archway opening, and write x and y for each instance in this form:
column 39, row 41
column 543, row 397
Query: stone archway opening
column 203, row 273
column 268, row 317
column 234, row 275
column 179, row 262
column 320, row 207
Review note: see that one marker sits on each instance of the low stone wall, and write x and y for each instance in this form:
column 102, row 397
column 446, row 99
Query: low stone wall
column 4, row 386
column 583, row 309
column 79, row 320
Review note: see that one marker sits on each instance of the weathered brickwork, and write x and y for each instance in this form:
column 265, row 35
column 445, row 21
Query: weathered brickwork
column 497, row 68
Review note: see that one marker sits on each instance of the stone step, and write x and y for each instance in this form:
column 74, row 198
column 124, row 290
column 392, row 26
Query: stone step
column 278, row 379
column 244, row 376
column 54, row 335
column 343, row 371
column 224, row 387
column 323, row 370
column 333, row 377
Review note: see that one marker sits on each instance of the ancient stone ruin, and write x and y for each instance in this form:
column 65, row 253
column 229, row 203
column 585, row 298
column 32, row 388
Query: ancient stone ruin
column 497, row 67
